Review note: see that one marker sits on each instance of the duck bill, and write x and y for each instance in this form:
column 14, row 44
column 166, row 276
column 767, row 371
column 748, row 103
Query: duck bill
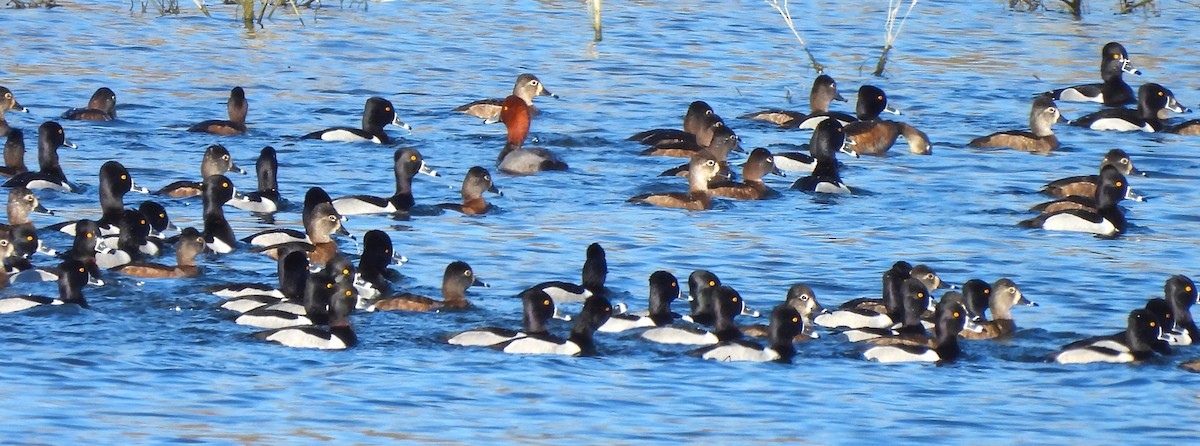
column 847, row 149
column 1164, row 335
column 542, row 91
column 69, row 144
column 892, row 110
column 1024, row 301
column 619, row 308
column 1128, row 67
column 18, row 107
column 477, row 282
column 747, row 311
column 493, row 189
column 42, row 209
column 560, row 315
column 133, row 187
column 838, row 97
column 1062, row 119
column 1175, row 106
column 1133, row 196
column 235, row 168
column 399, row 260
column 398, row 123
column 427, row 171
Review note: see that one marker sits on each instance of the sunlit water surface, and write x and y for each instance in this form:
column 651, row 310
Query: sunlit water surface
column 158, row 362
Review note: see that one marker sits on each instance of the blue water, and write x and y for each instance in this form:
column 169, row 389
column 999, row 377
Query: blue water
column 156, row 362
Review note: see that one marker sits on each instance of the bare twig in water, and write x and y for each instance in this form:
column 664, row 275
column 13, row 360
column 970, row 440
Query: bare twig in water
column 1075, row 7
column 787, row 18
column 594, row 9
column 893, row 31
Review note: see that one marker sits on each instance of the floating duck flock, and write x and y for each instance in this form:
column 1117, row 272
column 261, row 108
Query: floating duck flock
column 318, row 290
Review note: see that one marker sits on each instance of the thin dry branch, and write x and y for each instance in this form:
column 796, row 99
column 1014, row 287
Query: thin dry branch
column 787, row 18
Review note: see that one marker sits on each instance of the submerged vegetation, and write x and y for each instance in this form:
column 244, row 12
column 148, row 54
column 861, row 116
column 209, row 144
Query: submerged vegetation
column 1076, row 7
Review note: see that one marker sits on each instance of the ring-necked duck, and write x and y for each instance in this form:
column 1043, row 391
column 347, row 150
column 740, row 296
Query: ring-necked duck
column 160, row 222
column 1134, row 344
column 217, row 233
column 266, row 199
column 101, row 107
column 1042, row 115
column 850, row 315
column 514, row 159
column 726, row 304
column 804, row 300
column 338, row 336
column 785, row 325
column 536, row 308
column 406, row 163
column 130, row 244
column 752, row 187
column 83, row 248
column 1114, row 92
column 236, row 125
column 1153, row 101
column 477, row 181
column 1004, row 294
column 874, row 136
column 455, row 281
column 216, row 161
column 1079, row 202
column 8, row 102
column 715, row 137
column 1085, row 185
column 593, row 274
column 664, row 289
column 311, row 309
column 915, row 299
column 527, row 87
column 701, row 170
column 698, row 117
column 950, row 318
column 377, row 113
column 73, row 276
column 316, row 240
column 22, row 202
column 377, row 255
column 596, row 311
column 824, row 91
column 723, row 141
column 114, row 183
column 1107, row 219
column 189, row 245
column 50, row 174
column 1180, row 294
column 827, row 139
column 242, row 297
column 14, row 154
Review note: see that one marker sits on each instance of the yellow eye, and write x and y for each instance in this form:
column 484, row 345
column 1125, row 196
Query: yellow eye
column 920, row 294
column 224, row 184
column 735, row 299
column 142, row 222
column 607, row 309
column 88, row 235
column 1188, row 289
column 348, row 293
column 1152, row 324
column 28, row 237
column 345, row 271
column 956, row 314
column 879, row 98
column 124, row 177
column 1119, row 184
column 987, row 291
column 677, row 284
column 1159, row 93
column 60, row 130
column 1116, row 56
column 412, row 157
column 712, row 283
column 387, row 109
column 795, row 319
column 81, row 270
column 162, row 215
column 546, row 302
column 329, row 285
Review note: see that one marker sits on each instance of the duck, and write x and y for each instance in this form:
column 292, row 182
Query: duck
column 1042, row 116
column 714, row 137
column 458, row 277
column 1113, row 92
column 293, row 274
column 14, row 154
column 377, row 256
column 827, row 139
column 187, row 247
column 537, row 308
column 664, row 289
column 593, row 275
column 1079, row 202
column 1132, row 345
column 50, row 174
column 699, row 117
column 824, row 92
column 101, row 107
column 1107, row 219
column 1189, row 128
column 801, row 297
column 406, row 163
column 850, row 315
column 377, row 113
column 156, row 215
column 114, row 183
column 1000, row 297
column 83, row 249
column 785, row 325
column 217, row 233
column 477, row 181
column 22, row 202
column 236, row 125
column 70, row 290
column 321, row 224
column 338, row 336
column 908, row 329
column 950, row 318
column 723, row 142
column 752, row 186
column 1180, row 294
column 727, row 303
column 514, row 159
column 17, row 266
column 698, row 197
column 1153, row 101
column 311, row 309
column 266, row 199
column 216, row 161
column 596, row 311
column 130, row 242
column 1085, row 185
column 874, row 136
column 8, row 102
column 527, row 87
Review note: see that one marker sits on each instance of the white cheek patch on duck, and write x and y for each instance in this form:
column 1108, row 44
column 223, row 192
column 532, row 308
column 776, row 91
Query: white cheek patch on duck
column 892, row 354
column 676, row 335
